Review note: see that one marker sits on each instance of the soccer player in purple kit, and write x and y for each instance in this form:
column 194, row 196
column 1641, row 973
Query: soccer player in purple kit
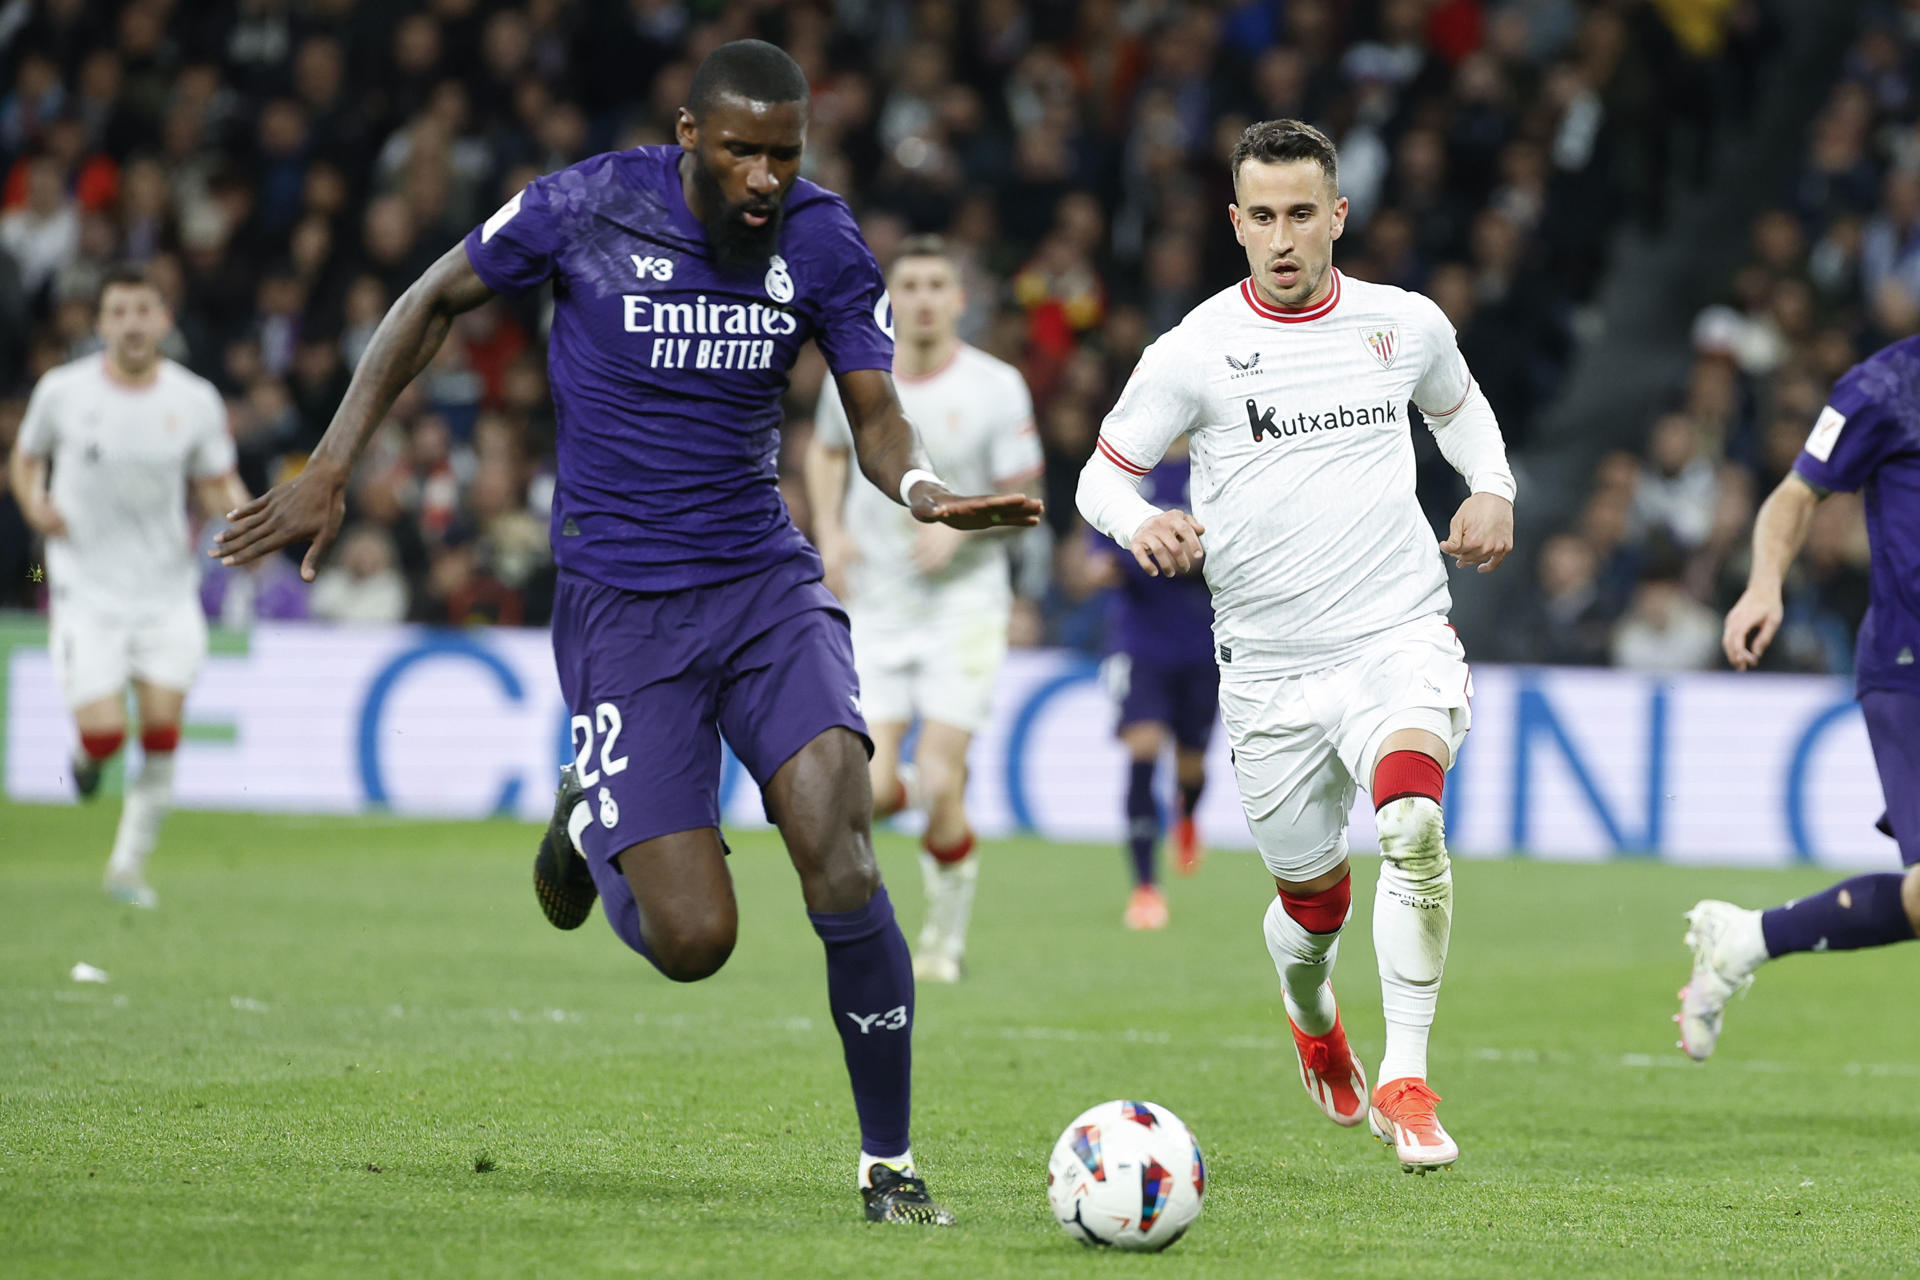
column 685, row 280
column 1160, row 670
column 1866, row 439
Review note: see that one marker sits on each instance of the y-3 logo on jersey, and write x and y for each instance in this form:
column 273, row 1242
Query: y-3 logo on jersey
column 1262, row 421
column 660, row 269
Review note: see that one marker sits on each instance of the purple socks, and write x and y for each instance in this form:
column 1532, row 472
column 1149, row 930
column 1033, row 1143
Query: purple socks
column 870, row 989
column 1143, row 820
column 1862, row 912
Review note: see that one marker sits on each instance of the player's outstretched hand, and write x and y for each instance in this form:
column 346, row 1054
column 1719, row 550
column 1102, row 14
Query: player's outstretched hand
column 934, row 505
column 1481, row 533
column 308, row 507
column 1169, row 544
column 1751, row 625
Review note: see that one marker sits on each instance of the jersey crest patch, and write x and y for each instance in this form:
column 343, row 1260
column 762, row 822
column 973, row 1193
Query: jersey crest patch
column 1384, row 343
column 779, row 280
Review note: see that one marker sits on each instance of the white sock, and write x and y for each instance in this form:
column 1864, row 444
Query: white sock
column 1304, row 960
column 149, row 797
column 949, row 887
column 903, row 1162
column 577, row 822
column 1412, row 918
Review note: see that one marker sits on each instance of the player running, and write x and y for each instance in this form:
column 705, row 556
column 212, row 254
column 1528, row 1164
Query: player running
column 1867, row 438
column 1160, row 670
column 1338, row 668
column 108, row 445
column 929, row 604
column 685, row 280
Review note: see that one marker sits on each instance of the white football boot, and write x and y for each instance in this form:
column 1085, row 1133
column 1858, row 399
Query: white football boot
column 131, row 888
column 941, row 954
column 1403, row 1117
column 1727, row 946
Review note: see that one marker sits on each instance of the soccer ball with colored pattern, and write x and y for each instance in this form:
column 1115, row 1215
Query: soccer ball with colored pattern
column 1126, row 1174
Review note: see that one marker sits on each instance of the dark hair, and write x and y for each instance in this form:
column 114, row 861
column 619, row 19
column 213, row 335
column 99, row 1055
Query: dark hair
column 123, row 273
column 749, row 69
column 1278, row 141
column 922, row 246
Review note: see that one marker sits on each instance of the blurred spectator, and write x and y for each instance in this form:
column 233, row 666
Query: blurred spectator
column 363, row 582
column 1666, row 629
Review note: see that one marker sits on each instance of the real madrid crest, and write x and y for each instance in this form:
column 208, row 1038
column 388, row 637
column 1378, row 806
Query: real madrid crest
column 779, row 279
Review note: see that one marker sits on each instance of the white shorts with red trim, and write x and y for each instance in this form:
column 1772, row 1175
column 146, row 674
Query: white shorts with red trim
column 96, row 654
column 1303, row 745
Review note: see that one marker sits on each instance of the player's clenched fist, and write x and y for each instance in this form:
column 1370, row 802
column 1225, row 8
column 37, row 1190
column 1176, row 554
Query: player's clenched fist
column 1169, row 543
column 1481, row 533
column 1751, row 625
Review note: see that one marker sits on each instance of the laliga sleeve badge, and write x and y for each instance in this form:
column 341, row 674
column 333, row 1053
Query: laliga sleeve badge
column 779, row 280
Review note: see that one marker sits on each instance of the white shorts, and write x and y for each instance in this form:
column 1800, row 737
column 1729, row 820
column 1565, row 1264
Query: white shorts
column 940, row 668
column 1303, row 744
column 95, row 655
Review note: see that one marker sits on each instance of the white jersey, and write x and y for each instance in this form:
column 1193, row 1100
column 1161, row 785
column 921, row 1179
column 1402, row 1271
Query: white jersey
column 1303, row 469
column 121, row 458
column 975, row 416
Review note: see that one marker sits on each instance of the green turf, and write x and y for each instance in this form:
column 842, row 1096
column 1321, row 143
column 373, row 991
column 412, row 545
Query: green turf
column 305, row 1056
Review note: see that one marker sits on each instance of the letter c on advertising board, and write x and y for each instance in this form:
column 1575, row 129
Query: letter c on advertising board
column 435, row 646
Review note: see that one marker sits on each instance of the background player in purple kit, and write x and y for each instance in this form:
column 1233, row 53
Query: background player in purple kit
column 1867, row 438
column 1160, row 669
column 688, row 607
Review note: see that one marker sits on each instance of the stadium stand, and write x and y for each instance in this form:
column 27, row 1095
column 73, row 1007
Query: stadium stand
column 285, row 167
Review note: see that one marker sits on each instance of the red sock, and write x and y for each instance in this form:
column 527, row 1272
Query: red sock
column 101, row 746
column 952, row 853
column 1322, row 912
column 159, row 737
column 887, row 808
column 1407, row 773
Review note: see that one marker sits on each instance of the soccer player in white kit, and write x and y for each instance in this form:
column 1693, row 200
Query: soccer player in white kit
column 1338, row 668
column 929, row 604
column 109, row 445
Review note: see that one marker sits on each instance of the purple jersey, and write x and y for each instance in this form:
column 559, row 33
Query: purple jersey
column 1163, row 620
column 667, row 375
column 1868, row 438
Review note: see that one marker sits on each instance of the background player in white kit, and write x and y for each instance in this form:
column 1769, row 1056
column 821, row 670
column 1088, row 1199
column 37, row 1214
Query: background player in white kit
column 929, row 604
column 1338, row 668
column 109, row 445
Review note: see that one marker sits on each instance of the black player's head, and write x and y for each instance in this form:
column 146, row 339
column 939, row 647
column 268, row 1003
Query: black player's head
column 131, row 317
column 743, row 129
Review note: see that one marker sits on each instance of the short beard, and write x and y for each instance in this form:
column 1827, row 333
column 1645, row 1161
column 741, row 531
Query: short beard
column 737, row 247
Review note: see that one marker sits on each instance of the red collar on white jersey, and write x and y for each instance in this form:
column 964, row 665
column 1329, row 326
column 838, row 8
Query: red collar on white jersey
column 1267, row 311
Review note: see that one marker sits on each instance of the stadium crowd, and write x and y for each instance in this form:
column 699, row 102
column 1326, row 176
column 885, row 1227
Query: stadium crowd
column 285, row 167
column 1643, row 574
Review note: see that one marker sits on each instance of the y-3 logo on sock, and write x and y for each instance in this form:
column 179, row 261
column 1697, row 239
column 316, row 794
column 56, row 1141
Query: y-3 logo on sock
column 894, row 1019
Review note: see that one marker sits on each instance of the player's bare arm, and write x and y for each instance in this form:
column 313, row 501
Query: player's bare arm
column 1778, row 533
column 217, row 495
column 889, row 448
column 310, row 506
column 1481, row 533
column 27, row 476
column 825, row 470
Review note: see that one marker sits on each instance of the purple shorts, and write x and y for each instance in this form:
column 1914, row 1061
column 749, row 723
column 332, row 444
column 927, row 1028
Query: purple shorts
column 1893, row 729
column 1184, row 696
column 654, row 681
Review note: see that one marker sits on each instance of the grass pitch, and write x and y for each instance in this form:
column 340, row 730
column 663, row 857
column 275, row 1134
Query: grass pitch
column 354, row 1047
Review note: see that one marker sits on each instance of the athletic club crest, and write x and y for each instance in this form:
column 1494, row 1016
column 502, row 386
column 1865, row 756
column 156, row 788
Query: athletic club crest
column 1384, row 343
column 779, row 280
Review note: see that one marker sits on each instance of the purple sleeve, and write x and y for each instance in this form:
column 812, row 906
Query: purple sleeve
column 1852, row 436
column 856, row 322
column 514, row 250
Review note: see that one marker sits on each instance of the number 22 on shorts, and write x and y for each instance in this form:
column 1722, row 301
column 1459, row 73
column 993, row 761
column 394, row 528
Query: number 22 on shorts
column 607, row 717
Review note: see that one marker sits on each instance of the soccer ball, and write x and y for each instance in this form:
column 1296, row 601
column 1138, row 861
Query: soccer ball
column 1126, row 1174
